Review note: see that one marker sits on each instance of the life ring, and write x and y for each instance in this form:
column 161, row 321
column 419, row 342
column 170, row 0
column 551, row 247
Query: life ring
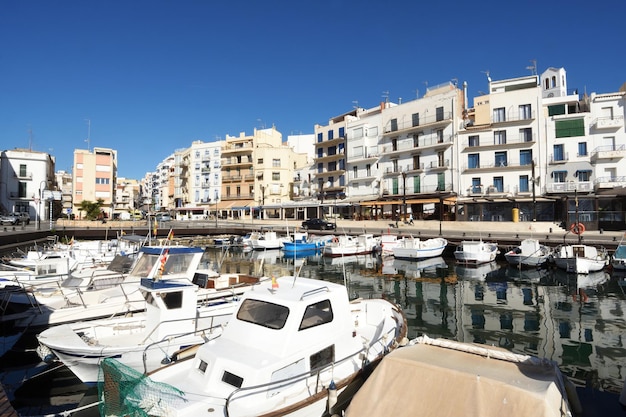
column 577, row 228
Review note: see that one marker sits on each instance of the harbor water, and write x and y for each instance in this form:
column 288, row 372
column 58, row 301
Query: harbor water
column 575, row 320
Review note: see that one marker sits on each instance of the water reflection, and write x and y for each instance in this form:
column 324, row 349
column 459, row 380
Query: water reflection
column 578, row 321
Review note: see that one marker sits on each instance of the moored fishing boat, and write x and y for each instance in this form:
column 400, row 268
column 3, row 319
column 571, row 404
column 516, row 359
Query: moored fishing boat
column 315, row 342
column 475, row 252
column 343, row 245
column 529, row 253
column 416, row 248
column 580, row 258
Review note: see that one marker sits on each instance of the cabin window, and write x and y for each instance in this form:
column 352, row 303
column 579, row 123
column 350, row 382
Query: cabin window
column 262, row 313
column 322, row 358
column 172, row 300
column 316, row 314
column 203, row 365
column 232, row 379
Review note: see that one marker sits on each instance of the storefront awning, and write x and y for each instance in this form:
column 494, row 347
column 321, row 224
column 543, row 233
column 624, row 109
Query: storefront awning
column 224, row 205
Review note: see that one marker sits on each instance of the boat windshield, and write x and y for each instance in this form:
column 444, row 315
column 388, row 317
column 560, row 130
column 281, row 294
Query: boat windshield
column 263, row 313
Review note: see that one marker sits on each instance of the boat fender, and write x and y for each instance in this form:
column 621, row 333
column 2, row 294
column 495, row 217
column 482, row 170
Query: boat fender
column 332, row 396
column 577, row 228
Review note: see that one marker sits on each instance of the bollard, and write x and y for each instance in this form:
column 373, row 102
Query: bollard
column 550, row 230
column 601, row 231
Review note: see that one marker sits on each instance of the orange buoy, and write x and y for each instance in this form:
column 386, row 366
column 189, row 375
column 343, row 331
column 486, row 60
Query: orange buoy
column 577, row 228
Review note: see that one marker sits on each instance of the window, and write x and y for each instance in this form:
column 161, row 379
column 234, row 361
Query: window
column 260, row 161
column 368, row 170
column 441, row 181
column 569, row 128
column 499, row 137
column 559, row 176
column 582, row 148
column 473, row 160
column 357, row 133
column 498, row 183
column 416, row 162
column 526, row 134
column 342, row 132
column 525, row 157
column 476, row 186
column 525, row 112
column 323, row 358
column 395, row 165
column 416, row 141
column 331, row 134
column 103, row 180
column 439, row 113
column 263, row 313
column 441, row 162
column 316, row 314
column 501, row 159
column 499, row 115
column 276, row 163
column 238, row 191
column 474, row 140
column 558, row 155
column 355, row 172
column 275, row 176
column 395, row 186
column 523, row 183
column 556, row 110
column 21, row 189
column 394, row 144
column 394, row 125
column 416, row 119
column 23, row 172
column 584, row 175
column 417, row 184
column 320, row 137
column 439, row 135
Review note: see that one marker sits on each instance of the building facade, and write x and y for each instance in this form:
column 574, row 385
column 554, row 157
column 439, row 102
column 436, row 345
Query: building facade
column 94, row 178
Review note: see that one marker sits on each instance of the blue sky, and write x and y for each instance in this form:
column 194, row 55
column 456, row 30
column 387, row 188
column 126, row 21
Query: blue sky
column 152, row 76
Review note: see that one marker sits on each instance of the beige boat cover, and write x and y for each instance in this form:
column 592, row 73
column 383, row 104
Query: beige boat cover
column 428, row 380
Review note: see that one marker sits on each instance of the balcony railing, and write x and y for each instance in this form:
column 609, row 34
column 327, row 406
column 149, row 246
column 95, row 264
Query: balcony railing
column 487, row 142
column 513, row 117
column 424, row 122
column 614, row 122
column 569, row 187
column 608, row 152
column 559, row 159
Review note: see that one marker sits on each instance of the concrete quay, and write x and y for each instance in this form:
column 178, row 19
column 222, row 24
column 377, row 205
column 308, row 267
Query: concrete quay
column 506, row 234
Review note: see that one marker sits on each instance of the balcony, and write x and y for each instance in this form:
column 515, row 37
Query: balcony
column 569, row 187
column 608, row 152
column 438, row 165
column 23, row 175
column 406, row 127
column 498, row 166
column 371, row 153
column 425, row 143
column 558, row 159
column 513, row 119
column 611, row 123
column 511, row 142
column 330, row 157
column 610, row 182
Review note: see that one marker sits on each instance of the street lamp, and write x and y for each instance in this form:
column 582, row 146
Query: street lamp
column 262, row 201
column 404, row 193
column 42, row 186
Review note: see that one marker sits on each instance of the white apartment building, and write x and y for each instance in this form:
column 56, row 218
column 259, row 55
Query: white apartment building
column 500, row 152
column 26, row 181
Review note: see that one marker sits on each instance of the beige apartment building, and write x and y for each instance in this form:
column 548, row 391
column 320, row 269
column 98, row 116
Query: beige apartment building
column 95, row 173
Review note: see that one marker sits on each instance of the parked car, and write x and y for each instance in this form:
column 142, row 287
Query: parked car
column 163, row 217
column 319, row 224
column 15, row 218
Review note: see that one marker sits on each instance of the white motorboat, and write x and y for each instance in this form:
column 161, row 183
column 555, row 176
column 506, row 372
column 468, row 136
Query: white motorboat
column 173, row 321
column 580, row 258
column 529, row 253
column 475, row 252
column 292, row 344
column 68, row 301
column 486, row 381
column 416, row 248
column 387, row 242
column 266, row 240
column 343, row 245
